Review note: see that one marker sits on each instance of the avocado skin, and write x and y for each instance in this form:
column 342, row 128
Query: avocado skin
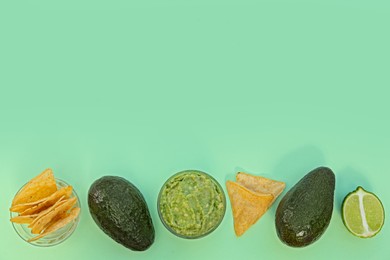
column 305, row 211
column 120, row 210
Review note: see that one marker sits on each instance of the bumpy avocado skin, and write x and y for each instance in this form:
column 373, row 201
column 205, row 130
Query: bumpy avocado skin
column 305, row 211
column 120, row 210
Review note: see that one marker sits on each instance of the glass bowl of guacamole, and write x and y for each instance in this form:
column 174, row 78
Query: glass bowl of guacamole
column 191, row 204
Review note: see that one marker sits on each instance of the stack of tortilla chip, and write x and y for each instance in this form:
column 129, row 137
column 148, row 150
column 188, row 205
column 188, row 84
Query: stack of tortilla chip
column 44, row 207
column 250, row 197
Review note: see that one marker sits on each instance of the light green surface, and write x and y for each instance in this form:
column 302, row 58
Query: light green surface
column 144, row 89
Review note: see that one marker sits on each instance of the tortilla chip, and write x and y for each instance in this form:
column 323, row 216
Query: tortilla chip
column 247, row 206
column 42, row 222
column 60, row 216
column 32, row 207
column 260, row 184
column 23, row 206
column 19, row 208
column 24, row 219
column 38, row 188
column 46, row 211
column 60, row 223
column 63, row 193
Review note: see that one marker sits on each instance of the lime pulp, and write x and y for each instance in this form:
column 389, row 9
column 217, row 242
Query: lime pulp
column 363, row 213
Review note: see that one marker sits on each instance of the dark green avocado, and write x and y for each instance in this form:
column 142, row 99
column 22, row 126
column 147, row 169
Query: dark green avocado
column 305, row 211
column 120, row 210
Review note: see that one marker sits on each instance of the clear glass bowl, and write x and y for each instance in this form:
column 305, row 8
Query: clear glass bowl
column 54, row 238
column 217, row 186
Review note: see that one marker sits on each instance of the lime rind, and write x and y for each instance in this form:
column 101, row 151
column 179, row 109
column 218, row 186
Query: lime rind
column 355, row 217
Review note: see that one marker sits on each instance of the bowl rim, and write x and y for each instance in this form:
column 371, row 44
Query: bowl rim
column 218, row 187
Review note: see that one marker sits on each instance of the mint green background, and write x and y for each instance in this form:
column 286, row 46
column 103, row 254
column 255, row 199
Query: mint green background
column 144, row 89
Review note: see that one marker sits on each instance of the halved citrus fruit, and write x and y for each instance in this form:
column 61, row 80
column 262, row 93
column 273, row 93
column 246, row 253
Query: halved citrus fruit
column 363, row 213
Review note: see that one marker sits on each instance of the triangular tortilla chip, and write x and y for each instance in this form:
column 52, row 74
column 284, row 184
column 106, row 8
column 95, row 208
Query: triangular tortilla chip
column 32, row 207
column 19, row 208
column 46, row 211
column 260, row 184
column 63, row 193
column 247, row 206
column 60, row 223
column 41, row 223
column 38, row 188
column 24, row 219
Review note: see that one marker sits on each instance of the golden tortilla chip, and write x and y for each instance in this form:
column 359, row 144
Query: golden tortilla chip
column 19, row 208
column 38, row 188
column 260, row 184
column 60, row 223
column 247, row 206
column 23, row 206
column 42, row 203
column 24, row 219
column 46, row 211
column 60, row 216
column 63, row 193
column 42, row 222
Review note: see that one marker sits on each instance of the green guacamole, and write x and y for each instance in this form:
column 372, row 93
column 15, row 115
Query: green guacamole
column 191, row 204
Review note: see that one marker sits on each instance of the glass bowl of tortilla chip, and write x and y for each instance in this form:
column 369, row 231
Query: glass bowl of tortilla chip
column 191, row 204
column 50, row 221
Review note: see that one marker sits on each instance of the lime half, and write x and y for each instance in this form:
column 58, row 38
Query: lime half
column 363, row 213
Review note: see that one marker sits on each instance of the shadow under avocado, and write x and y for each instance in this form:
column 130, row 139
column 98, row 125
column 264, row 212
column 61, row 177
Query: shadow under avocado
column 347, row 180
column 296, row 164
